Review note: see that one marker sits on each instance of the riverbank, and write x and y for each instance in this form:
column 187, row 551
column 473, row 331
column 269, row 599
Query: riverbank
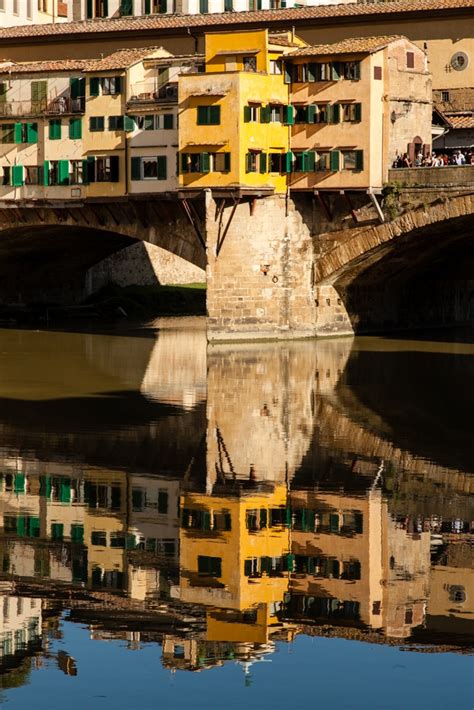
column 115, row 302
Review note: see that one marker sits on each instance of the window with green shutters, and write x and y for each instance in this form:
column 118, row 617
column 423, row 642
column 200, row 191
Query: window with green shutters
column 126, row 7
column 94, row 86
column 63, row 172
column 116, row 123
column 335, row 113
column 19, row 483
column 304, row 162
column 129, row 124
column 263, row 163
column 77, row 87
column 203, row 6
column 288, row 115
column 351, row 112
column 208, row 115
column 57, row 531
column 210, row 566
column 352, row 159
column 77, row 533
column 75, row 128
column 26, row 132
column 38, row 94
column 228, row 5
column 55, row 129
column 334, row 160
column 265, row 114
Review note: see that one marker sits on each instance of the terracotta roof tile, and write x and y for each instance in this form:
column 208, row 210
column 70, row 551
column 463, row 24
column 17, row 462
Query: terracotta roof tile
column 208, row 21
column 122, row 58
column 461, row 120
column 50, row 66
column 355, row 45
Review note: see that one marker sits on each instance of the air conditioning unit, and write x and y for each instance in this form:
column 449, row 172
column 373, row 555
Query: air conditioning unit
column 171, row 92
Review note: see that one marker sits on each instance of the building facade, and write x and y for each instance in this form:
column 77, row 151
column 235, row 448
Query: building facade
column 34, row 12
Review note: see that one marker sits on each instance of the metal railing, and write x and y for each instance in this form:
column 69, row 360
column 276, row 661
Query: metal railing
column 151, row 93
column 44, row 107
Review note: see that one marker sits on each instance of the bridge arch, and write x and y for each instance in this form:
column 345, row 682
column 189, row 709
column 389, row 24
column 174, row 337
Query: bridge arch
column 414, row 271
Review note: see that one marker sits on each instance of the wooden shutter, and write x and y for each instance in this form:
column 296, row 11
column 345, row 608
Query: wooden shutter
column 311, row 113
column 18, row 133
column 248, row 163
column 147, row 7
column 161, row 172
column 46, row 173
column 247, row 114
column 263, row 163
column 163, row 6
column 358, row 112
column 214, row 115
column 335, row 71
column 288, row 115
column 356, row 71
column 128, row 124
column 288, row 73
column 410, row 60
column 311, row 161
column 184, row 162
column 85, row 176
column 288, row 162
column 202, row 116
column 75, row 128
column 227, row 161
column 63, row 172
column 168, row 121
column 89, row 11
column 54, row 129
column 17, row 177
column 94, row 86
column 91, row 168
column 334, row 160
column 114, row 168
column 126, row 7
column 105, row 8
column 264, row 114
column 312, row 68
column 136, row 169
column 359, row 159
column 335, row 113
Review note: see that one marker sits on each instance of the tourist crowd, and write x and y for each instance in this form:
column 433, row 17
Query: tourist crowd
column 434, row 160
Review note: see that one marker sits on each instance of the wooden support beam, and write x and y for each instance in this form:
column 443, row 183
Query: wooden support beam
column 351, row 206
column 195, row 224
column 324, row 205
column 378, row 209
column 220, row 239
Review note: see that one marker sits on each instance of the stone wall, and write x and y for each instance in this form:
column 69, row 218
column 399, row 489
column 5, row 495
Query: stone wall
column 143, row 264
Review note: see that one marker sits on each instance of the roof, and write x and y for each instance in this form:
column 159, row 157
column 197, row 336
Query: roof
column 281, row 41
column 51, row 66
column 123, row 58
column 460, row 119
column 205, row 22
column 356, row 45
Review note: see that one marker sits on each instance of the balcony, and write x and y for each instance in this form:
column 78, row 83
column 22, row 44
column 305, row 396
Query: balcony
column 151, row 94
column 47, row 107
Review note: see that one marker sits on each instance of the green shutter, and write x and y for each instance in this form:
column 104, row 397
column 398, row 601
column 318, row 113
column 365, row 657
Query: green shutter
column 128, row 124
column 17, row 181
column 311, row 113
column 126, row 7
column 263, row 163
column 31, row 132
column 247, row 568
column 184, row 162
column 163, row 6
column 335, row 113
column 65, row 483
column 57, row 531
column 358, row 112
column 34, row 525
column 105, row 8
column 205, row 163
column 77, row 533
column 359, row 159
column 18, row 133
column 77, row 87
column 85, row 176
column 21, row 525
column 288, row 115
column 89, row 11
column 203, row 6
column 290, row 562
column 147, row 7
column 214, row 115
column 136, row 169
column 91, row 169
column 118, row 84
column 288, row 162
column 19, row 484
column 310, row 161
column 75, row 128
column 335, row 71
column 334, row 522
column 334, row 160
column 265, row 112
column 46, row 172
column 161, row 172
column 227, row 161
column 247, row 114
column 94, row 86
column 54, row 129
column 248, row 166
column 202, row 116
column 63, row 172
column 114, row 168
column 168, row 121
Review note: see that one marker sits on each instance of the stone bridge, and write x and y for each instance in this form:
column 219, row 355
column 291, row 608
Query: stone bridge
column 303, row 265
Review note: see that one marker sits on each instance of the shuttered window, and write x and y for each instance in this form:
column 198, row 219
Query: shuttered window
column 75, row 128
column 55, row 129
column 208, row 115
column 210, row 566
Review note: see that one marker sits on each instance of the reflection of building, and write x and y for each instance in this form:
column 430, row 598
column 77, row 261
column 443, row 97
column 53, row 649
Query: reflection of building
column 20, row 629
column 355, row 565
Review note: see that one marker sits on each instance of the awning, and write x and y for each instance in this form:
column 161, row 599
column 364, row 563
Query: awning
column 232, row 52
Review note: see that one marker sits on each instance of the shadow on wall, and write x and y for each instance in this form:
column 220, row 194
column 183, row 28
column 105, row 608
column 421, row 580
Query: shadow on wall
column 142, row 264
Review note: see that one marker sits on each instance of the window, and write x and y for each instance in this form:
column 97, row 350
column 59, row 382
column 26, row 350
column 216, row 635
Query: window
column 321, row 113
column 220, row 162
column 276, row 113
column 251, row 162
column 77, row 533
column 351, row 113
column 351, row 70
column 352, row 159
column 205, row 162
column 38, row 95
column 228, row 5
column 98, row 537
column 8, row 133
column 377, row 73
column 208, row 115
column 138, row 495
column 96, row 123
column 111, row 85
column 117, row 540
column 275, row 164
column 57, row 531
column 203, row 6
column 76, row 176
column 75, row 128
column 32, row 175
column 115, row 123
column 304, row 162
column 15, row 7
column 445, row 96
column 251, row 113
column 250, row 64
column 26, row 132
column 3, row 91
column 275, row 66
column 155, row 122
column 162, row 502
column 126, row 7
column 149, row 168
column 107, row 169
column 6, row 175
column 210, row 566
column 55, row 129
column 410, row 60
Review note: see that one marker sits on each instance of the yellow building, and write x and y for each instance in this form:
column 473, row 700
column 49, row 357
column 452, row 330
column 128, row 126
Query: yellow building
column 235, row 118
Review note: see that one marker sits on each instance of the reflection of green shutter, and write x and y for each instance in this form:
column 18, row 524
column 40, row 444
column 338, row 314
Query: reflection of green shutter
column 63, row 172
column 206, row 520
column 57, row 531
column 77, row 533
column 19, row 485
column 290, row 562
column 34, row 527
column 263, row 518
column 161, row 172
column 334, row 160
column 45, row 486
column 21, row 525
column 359, row 159
column 65, row 483
column 266, row 564
column 335, row 569
column 17, row 175
column 136, row 169
column 288, row 517
column 334, row 522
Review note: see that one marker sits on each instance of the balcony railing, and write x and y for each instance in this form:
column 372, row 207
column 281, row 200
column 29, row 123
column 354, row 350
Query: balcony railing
column 44, row 107
column 143, row 93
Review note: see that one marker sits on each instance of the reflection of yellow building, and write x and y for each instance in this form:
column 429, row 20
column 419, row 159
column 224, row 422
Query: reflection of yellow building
column 234, row 118
column 235, row 558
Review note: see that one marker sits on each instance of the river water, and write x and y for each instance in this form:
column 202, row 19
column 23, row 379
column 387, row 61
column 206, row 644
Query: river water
column 236, row 526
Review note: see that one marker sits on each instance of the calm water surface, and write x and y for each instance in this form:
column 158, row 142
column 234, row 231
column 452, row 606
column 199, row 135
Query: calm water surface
column 239, row 526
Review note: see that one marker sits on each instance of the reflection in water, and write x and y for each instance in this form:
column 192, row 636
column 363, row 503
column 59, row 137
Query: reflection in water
column 219, row 503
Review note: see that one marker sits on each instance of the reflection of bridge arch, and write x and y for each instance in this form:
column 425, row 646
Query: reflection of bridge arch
column 412, row 271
